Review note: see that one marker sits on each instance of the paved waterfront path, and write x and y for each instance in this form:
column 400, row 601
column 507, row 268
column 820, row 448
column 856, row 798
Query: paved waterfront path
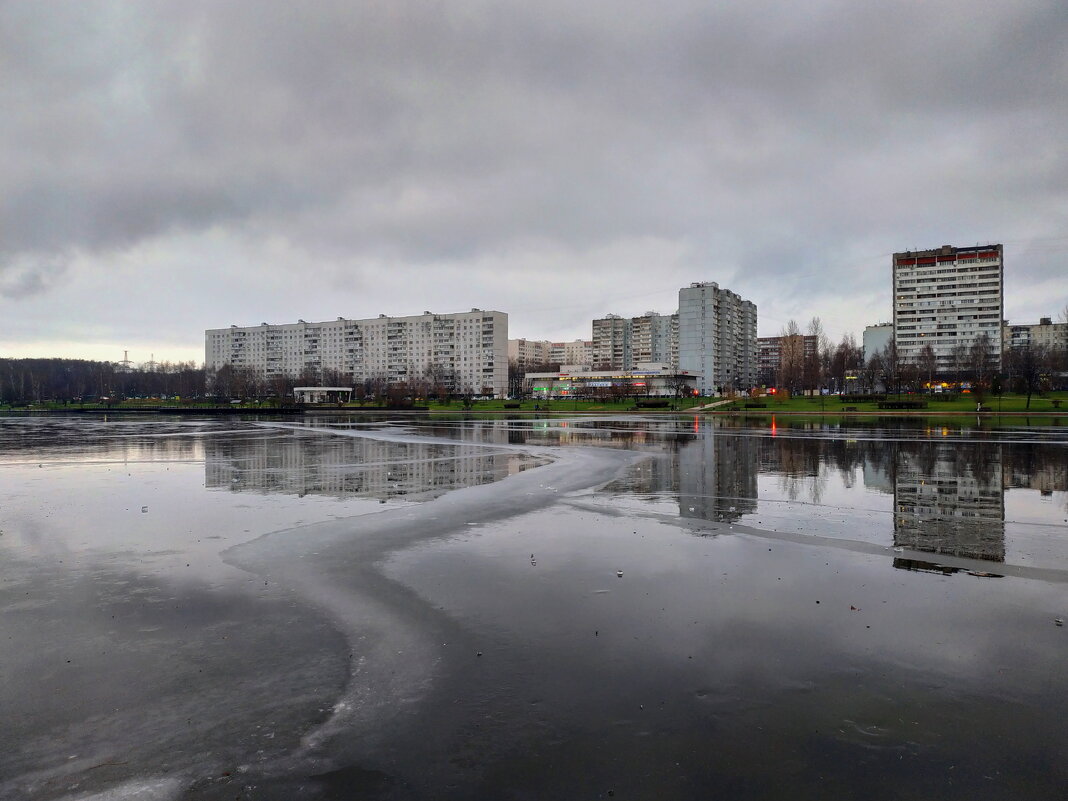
column 714, row 404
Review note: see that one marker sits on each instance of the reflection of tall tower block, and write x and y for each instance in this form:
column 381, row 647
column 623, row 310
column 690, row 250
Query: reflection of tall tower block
column 718, row 477
column 948, row 499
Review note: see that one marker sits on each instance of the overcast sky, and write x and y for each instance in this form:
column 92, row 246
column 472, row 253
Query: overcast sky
column 174, row 166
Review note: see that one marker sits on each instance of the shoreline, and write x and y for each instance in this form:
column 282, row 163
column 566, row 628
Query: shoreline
column 1059, row 416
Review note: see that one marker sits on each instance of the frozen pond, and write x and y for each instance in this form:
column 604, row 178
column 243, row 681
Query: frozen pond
column 626, row 607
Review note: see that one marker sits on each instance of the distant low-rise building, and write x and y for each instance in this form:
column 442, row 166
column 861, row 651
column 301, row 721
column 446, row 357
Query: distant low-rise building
column 656, row 380
column 1043, row 334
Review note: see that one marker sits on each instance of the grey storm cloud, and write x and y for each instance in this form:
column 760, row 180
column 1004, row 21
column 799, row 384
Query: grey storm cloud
column 770, row 140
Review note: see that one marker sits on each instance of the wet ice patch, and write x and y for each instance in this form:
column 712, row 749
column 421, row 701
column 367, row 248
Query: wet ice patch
column 154, row 789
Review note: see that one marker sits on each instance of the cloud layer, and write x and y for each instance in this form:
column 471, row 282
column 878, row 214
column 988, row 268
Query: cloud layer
column 169, row 167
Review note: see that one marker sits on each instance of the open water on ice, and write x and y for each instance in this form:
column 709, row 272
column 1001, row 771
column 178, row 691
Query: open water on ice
column 628, row 607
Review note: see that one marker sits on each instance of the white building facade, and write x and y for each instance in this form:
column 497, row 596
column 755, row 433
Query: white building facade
column 578, row 351
column 1044, row 334
column 528, row 351
column 876, row 338
column 717, row 337
column 541, row 351
column 468, row 350
column 948, row 298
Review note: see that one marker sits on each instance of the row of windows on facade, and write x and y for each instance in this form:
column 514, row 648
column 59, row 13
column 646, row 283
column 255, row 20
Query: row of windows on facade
column 904, row 286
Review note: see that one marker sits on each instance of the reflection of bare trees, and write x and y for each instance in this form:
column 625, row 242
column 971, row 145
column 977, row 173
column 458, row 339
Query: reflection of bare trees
column 798, row 467
column 1037, row 466
column 799, row 464
column 717, row 477
column 73, row 439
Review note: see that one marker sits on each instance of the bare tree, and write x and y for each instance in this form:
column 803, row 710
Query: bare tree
column 398, row 393
column 791, row 357
column 847, row 359
column 960, row 362
column 1060, row 355
column 441, row 380
column 374, row 386
column 981, row 361
column 892, row 361
column 678, row 386
column 813, row 362
column 222, row 381
column 928, row 363
column 874, row 368
column 515, row 378
column 1030, row 363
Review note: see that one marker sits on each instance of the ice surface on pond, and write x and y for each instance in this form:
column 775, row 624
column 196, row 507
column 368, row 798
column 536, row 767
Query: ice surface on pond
column 460, row 607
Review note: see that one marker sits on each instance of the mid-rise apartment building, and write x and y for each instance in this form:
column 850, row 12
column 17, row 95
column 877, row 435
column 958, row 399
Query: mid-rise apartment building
column 620, row 343
column 770, row 354
column 525, row 352
column 528, row 351
column 654, row 337
column 611, row 343
column 578, row 351
column 948, row 298
column 717, row 337
column 467, row 350
column 1045, row 334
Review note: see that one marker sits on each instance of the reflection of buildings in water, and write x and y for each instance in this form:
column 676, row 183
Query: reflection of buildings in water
column 948, row 499
column 877, row 478
column 921, row 566
column 651, row 476
column 1036, row 466
column 718, row 477
column 353, row 466
column 714, row 477
column 800, row 464
column 547, row 430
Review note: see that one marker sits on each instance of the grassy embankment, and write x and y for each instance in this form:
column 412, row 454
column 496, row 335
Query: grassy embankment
column 627, row 404
column 1054, row 403
column 1050, row 403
